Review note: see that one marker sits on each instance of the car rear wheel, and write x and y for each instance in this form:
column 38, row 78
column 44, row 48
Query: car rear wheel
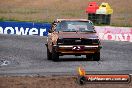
column 55, row 55
column 96, row 56
column 49, row 55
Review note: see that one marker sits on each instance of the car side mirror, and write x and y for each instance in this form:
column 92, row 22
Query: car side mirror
column 50, row 31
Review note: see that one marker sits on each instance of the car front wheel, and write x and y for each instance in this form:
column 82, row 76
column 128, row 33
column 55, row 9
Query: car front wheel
column 55, row 55
column 49, row 55
column 89, row 57
column 96, row 56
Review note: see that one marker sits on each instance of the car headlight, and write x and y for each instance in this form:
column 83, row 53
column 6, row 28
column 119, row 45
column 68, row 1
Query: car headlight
column 60, row 41
column 95, row 41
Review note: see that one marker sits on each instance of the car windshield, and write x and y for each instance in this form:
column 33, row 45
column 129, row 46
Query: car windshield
column 75, row 26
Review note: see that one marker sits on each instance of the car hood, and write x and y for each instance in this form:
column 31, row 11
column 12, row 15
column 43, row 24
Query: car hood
column 87, row 35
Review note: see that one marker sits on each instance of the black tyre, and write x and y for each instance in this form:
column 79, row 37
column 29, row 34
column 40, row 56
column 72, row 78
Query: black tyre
column 55, row 55
column 90, row 56
column 96, row 56
column 49, row 55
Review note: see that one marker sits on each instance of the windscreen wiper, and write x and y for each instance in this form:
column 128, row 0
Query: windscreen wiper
column 88, row 31
column 68, row 31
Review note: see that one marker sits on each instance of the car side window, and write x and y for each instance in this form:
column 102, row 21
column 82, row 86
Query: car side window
column 58, row 27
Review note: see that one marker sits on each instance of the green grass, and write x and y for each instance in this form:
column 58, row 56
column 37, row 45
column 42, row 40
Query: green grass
column 5, row 19
column 48, row 10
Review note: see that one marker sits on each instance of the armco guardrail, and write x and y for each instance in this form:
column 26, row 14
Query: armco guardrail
column 114, row 33
column 41, row 29
column 24, row 28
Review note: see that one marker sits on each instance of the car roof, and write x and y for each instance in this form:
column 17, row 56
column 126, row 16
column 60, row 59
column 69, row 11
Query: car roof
column 59, row 20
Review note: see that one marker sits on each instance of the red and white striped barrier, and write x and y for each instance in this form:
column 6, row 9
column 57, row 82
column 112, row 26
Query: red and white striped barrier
column 114, row 33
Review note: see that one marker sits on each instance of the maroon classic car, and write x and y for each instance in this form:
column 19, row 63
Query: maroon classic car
column 73, row 37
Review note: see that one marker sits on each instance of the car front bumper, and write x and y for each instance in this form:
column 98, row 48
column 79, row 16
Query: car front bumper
column 77, row 49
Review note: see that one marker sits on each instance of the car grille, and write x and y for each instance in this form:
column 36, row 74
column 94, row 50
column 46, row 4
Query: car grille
column 78, row 41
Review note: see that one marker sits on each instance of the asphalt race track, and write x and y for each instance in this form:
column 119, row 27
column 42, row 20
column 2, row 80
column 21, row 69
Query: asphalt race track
column 26, row 55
